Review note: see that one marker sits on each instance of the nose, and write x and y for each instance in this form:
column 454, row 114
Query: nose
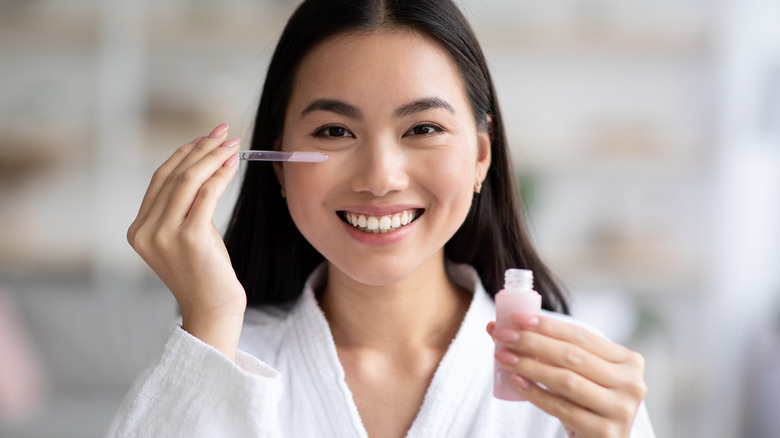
column 380, row 168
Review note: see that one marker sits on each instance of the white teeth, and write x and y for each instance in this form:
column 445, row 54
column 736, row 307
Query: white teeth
column 384, row 223
column 380, row 224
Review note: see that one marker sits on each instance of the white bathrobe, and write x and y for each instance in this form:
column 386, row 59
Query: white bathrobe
column 287, row 381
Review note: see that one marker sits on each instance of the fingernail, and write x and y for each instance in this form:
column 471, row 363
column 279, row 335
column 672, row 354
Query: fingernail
column 197, row 140
column 231, row 161
column 521, row 381
column 506, row 335
column 232, row 142
column 525, row 319
column 219, row 131
column 506, row 357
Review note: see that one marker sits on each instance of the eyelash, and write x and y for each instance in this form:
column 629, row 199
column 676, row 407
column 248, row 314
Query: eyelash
column 324, row 132
column 435, row 129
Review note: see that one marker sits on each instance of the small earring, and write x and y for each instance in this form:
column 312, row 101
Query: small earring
column 478, row 186
column 284, row 194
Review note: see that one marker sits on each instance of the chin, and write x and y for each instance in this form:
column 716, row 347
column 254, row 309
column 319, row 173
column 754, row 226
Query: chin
column 374, row 274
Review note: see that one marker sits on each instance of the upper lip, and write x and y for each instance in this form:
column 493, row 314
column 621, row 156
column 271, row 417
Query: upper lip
column 380, row 210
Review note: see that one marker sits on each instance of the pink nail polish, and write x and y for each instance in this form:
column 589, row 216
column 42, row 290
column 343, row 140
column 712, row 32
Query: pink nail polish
column 219, row 131
column 517, row 296
column 525, row 319
column 232, row 142
column 506, row 357
column 231, row 161
column 506, row 335
column 521, row 381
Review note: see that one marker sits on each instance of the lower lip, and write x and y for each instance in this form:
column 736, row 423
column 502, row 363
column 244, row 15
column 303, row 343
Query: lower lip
column 379, row 239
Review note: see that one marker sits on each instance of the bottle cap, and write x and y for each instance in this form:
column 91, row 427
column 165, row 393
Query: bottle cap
column 518, row 279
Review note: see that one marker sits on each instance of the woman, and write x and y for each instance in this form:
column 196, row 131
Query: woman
column 347, row 297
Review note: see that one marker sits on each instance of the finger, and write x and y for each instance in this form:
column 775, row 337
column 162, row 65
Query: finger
column 491, row 327
column 190, row 181
column 587, row 423
column 201, row 147
column 179, row 158
column 574, row 334
column 561, row 354
column 160, row 176
column 565, row 383
column 204, row 146
column 205, row 204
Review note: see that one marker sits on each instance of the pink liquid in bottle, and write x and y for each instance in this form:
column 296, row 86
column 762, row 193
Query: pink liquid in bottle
column 517, row 296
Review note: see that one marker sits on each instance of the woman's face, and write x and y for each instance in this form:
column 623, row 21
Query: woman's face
column 390, row 110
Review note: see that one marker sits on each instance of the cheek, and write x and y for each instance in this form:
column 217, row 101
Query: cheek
column 315, row 181
column 450, row 176
column 306, row 186
column 449, row 180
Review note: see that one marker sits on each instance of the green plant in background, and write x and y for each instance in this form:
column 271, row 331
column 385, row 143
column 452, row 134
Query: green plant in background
column 527, row 185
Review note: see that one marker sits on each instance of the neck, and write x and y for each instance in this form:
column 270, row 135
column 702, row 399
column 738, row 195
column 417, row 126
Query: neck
column 422, row 311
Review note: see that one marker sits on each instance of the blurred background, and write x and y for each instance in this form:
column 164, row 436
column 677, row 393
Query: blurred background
column 646, row 136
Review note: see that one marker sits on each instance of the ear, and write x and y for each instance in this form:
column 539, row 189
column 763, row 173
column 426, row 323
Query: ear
column 483, row 149
column 277, row 165
column 278, row 171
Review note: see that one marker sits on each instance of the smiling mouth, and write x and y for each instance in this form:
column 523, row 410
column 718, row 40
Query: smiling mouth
column 380, row 224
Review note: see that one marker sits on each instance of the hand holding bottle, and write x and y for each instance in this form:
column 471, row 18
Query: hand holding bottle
column 594, row 386
column 175, row 234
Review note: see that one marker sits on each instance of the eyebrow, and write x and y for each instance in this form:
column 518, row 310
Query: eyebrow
column 334, row 106
column 353, row 112
column 423, row 104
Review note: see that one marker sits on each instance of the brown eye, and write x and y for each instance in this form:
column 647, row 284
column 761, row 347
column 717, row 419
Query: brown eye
column 333, row 132
column 424, row 129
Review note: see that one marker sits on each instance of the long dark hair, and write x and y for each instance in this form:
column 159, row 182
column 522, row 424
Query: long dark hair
column 271, row 257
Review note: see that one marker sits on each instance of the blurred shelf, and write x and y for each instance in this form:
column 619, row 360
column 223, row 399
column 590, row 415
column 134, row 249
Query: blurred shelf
column 27, row 25
column 591, row 26
column 211, row 26
column 615, row 154
column 588, row 169
column 561, row 42
column 637, row 272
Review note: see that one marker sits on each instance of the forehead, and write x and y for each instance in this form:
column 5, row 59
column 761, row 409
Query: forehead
column 388, row 64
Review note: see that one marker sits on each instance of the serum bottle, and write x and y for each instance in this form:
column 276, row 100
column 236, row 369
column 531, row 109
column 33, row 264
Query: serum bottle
column 517, row 296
